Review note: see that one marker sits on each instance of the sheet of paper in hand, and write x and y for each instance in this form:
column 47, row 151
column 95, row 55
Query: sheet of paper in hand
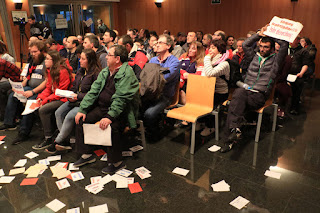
column 64, row 93
column 283, row 29
column 17, row 86
column 94, row 135
column 31, row 106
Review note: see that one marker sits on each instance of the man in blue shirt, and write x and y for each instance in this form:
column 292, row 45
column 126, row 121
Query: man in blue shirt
column 154, row 108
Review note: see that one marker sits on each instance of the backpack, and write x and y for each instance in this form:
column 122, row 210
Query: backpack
column 235, row 74
column 152, row 81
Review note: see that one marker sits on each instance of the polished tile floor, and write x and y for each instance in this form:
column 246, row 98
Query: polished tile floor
column 293, row 150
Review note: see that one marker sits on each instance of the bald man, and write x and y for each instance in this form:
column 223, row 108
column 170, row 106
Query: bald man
column 71, row 46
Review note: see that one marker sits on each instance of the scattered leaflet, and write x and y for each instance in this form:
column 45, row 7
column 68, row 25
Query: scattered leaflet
column 62, row 184
column 31, row 155
column 20, row 163
column 180, row 171
column 214, row 148
column 99, row 209
column 239, row 202
column 55, row 205
column 124, row 172
column 64, row 93
column 221, row 186
column 272, row 174
column 136, row 148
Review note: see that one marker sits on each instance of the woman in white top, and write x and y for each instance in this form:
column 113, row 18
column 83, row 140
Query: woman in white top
column 215, row 65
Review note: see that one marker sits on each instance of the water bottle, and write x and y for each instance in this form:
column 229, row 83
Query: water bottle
column 243, row 85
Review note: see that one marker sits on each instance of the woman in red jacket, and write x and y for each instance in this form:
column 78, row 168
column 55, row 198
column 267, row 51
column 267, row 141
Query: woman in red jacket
column 59, row 76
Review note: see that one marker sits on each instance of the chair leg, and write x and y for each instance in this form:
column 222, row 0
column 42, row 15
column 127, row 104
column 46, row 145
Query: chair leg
column 255, row 153
column 193, row 137
column 216, row 116
column 258, row 127
column 143, row 135
column 274, row 122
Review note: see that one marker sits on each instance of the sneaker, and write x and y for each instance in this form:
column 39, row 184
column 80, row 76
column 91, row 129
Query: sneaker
column 63, row 146
column 51, row 149
column 207, row 131
column 83, row 161
column 20, row 138
column 235, row 134
column 227, row 147
column 7, row 127
column 45, row 144
column 110, row 169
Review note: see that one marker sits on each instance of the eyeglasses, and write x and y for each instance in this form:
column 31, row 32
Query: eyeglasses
column 110, row 54
column 161, row 42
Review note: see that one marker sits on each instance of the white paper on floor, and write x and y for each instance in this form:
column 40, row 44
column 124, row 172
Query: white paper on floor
column 31, row 155
column 239, row 202
column 214, row 148
column 55, row 205
column 221, row 186
column 99, row 209
column 180, row 171
column 272, row 174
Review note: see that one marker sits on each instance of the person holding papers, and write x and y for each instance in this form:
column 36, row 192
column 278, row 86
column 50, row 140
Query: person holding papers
column 33, row 84
column 65, row 114
column 59, row 76
column 112, row 100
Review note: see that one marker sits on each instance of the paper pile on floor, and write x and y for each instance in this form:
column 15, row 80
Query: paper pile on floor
column 221, row 186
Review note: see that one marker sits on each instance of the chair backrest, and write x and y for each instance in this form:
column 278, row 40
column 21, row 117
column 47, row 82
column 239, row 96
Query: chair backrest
column 175, row 99
column 200, row 90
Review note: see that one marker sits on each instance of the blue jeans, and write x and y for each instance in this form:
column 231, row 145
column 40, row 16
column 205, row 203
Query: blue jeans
column 65, row 120
column 152, row 114
column 11, row 110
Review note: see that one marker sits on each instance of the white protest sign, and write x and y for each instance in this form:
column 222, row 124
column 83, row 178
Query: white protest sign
column 283, row 29
column 61, row 23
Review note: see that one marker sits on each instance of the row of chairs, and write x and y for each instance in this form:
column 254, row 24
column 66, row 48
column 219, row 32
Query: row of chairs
column 200, row 102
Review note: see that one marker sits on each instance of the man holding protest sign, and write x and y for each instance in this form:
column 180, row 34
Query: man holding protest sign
column 259, row 80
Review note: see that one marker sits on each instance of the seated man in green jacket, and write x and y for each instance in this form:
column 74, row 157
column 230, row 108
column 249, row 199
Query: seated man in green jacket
column 112, row 100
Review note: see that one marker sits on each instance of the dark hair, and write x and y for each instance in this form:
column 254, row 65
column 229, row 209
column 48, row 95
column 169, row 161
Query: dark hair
column 79, row 49
column 126, row 39
column 40, row 45
column 200, row 32
column 268, row 39
column 146, row 33
column 308, row 41
column 50, row 41
column 100, row 36
column 241, row 39
column 140, row 41
column 135, row 30
column 223, row 36
column 58, row 63
column 220, row 45
column 3, row 47
column 112, row 34
column 93, row 64
column 121, row 51
column 209, row 36
column 229, row 36
column 156, row 36
column 153, row 33
column 169, row 41
column 75, row 41
column 93, row 40
column 32, row 17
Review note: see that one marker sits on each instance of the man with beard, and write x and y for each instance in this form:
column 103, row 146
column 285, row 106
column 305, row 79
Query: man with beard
column 33, row 84
column 260, row 77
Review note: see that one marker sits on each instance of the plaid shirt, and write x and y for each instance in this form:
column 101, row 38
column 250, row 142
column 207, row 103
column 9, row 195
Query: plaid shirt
column 9, row 70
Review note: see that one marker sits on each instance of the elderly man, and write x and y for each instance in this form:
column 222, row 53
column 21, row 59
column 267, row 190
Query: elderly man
column 153, row 109
column 112, row 100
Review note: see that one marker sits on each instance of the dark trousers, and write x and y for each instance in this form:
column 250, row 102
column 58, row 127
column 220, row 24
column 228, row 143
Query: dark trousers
column 243, row 101
column 297, row 87
column 47, row 116
column 114, row 152
column 5, row 87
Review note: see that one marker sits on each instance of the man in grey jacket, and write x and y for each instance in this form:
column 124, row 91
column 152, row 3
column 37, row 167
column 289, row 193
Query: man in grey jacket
column 260, row 77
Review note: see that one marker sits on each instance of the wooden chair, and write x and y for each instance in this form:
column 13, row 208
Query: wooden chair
column 175, row 99
column 199, row 102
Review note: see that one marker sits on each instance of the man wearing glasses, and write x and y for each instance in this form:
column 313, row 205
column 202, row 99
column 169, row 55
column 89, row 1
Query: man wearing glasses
column 260, row 78
column 153, row 109
column 112, row 100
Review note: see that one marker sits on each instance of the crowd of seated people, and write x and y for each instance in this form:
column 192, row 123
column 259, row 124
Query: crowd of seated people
column 104, row 70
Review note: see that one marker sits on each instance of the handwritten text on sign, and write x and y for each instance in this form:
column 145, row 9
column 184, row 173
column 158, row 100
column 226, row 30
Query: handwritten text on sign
column 283, row 29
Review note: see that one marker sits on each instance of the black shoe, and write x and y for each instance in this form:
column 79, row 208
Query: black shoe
column 83, row 161
column 20, row 138
column 111, row 169
column 227, row 147
column 235, row 134
column 294, row 112
column 8, row 127
column 51, row 149
column 45, row 144
column 63, row 146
